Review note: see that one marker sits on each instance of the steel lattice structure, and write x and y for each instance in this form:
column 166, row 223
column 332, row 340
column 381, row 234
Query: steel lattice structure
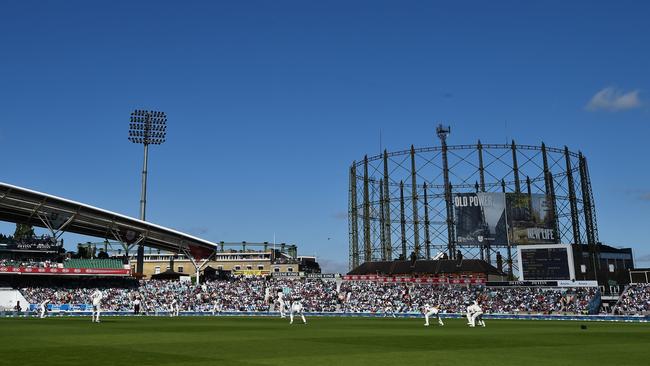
column 401, row 202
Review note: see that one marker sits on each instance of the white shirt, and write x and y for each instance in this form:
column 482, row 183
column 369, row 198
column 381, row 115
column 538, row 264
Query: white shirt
column 474, row 308
column 296, row 307
column 431, row 309
column 97, row 297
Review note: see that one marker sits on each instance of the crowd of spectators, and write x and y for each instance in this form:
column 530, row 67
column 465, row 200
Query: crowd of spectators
column 259, row 295
column 31, row 263
column 634, row 300
column 374, row 297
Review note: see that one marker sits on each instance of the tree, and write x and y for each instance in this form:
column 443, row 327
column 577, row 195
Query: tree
column 23, row 231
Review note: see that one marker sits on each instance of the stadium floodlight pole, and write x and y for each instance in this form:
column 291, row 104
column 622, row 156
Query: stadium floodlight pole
column 442, row 133
column 146, row 128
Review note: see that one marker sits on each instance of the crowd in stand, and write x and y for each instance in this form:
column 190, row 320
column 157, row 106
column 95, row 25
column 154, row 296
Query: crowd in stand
column 27, row 263
column 259, row 294
column 634, row 300
column 373, row 297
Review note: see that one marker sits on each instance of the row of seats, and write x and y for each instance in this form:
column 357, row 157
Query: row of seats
column 93, row 263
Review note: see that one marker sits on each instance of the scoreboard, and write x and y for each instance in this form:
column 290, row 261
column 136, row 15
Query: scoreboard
column 546, row 262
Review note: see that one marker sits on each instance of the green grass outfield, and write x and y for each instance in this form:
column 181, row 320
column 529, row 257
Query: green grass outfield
column 324, row 341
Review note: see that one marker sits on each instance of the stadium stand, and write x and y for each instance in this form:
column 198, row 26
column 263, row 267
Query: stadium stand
column 634, row 300
column 93, row 263
column 258, row 294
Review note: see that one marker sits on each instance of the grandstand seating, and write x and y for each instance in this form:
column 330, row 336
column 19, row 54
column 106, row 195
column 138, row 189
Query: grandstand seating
column 93, row 263
column 258, row 293
column 634, row 300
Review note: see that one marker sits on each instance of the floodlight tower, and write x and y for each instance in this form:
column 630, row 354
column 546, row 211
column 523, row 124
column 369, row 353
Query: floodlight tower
column 442, row 133
column 146, row 128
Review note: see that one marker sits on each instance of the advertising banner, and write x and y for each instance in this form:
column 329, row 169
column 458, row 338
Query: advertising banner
column 285, row 274
column 321, row 275
column 530, row 219
column 428, row 280
column 65, row 271
column 480, row 218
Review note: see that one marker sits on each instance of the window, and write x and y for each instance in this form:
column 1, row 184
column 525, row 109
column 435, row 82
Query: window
column 276, row 269
column 156, row 270
column 220, row 268
column 289, row 269
column 180, row 269
column 237, row 268
column 260, row 267
column 249, row 267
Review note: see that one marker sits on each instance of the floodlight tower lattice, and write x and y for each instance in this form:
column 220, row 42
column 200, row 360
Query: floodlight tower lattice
column 146, row 128
column 442, row 133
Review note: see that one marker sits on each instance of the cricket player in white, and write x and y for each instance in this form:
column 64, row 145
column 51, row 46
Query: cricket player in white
column 216, row 307
column 282, row 305
column 43, row 308
column 469, row 314
column 430, row 311
column 174, row 308
column 388, row 310
column 476, row 315
column 296, row 308
column 96, row 298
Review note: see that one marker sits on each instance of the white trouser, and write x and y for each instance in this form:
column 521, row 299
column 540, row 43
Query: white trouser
column 477, row 316
column 96, row 312
column 291, row 317
column 432, row 313
column 282, row 308
column 42, row 313
column 469, row 318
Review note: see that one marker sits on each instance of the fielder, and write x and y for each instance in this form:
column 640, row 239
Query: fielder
column 174, row 308
column 282, row 305
column 43, row 308
column 388, row 310
column 96, row 298
column 216, row 307
column 476, row 315
column 296, row 308
column 430, row 311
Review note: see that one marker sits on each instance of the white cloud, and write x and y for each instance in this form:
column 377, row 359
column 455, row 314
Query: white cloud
column 613, row 99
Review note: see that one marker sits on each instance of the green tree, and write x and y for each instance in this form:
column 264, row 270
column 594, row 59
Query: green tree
column 23, row 231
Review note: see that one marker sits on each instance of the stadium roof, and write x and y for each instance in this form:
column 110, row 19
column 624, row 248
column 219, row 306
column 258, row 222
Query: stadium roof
column 22, row 205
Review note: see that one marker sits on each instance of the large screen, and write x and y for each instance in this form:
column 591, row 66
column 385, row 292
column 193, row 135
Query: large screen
column 550, row 263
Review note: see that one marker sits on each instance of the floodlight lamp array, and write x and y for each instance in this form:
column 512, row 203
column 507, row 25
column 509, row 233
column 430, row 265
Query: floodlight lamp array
column 148, row 127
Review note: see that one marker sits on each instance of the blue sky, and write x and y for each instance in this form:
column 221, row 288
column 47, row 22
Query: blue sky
column 270, row 101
